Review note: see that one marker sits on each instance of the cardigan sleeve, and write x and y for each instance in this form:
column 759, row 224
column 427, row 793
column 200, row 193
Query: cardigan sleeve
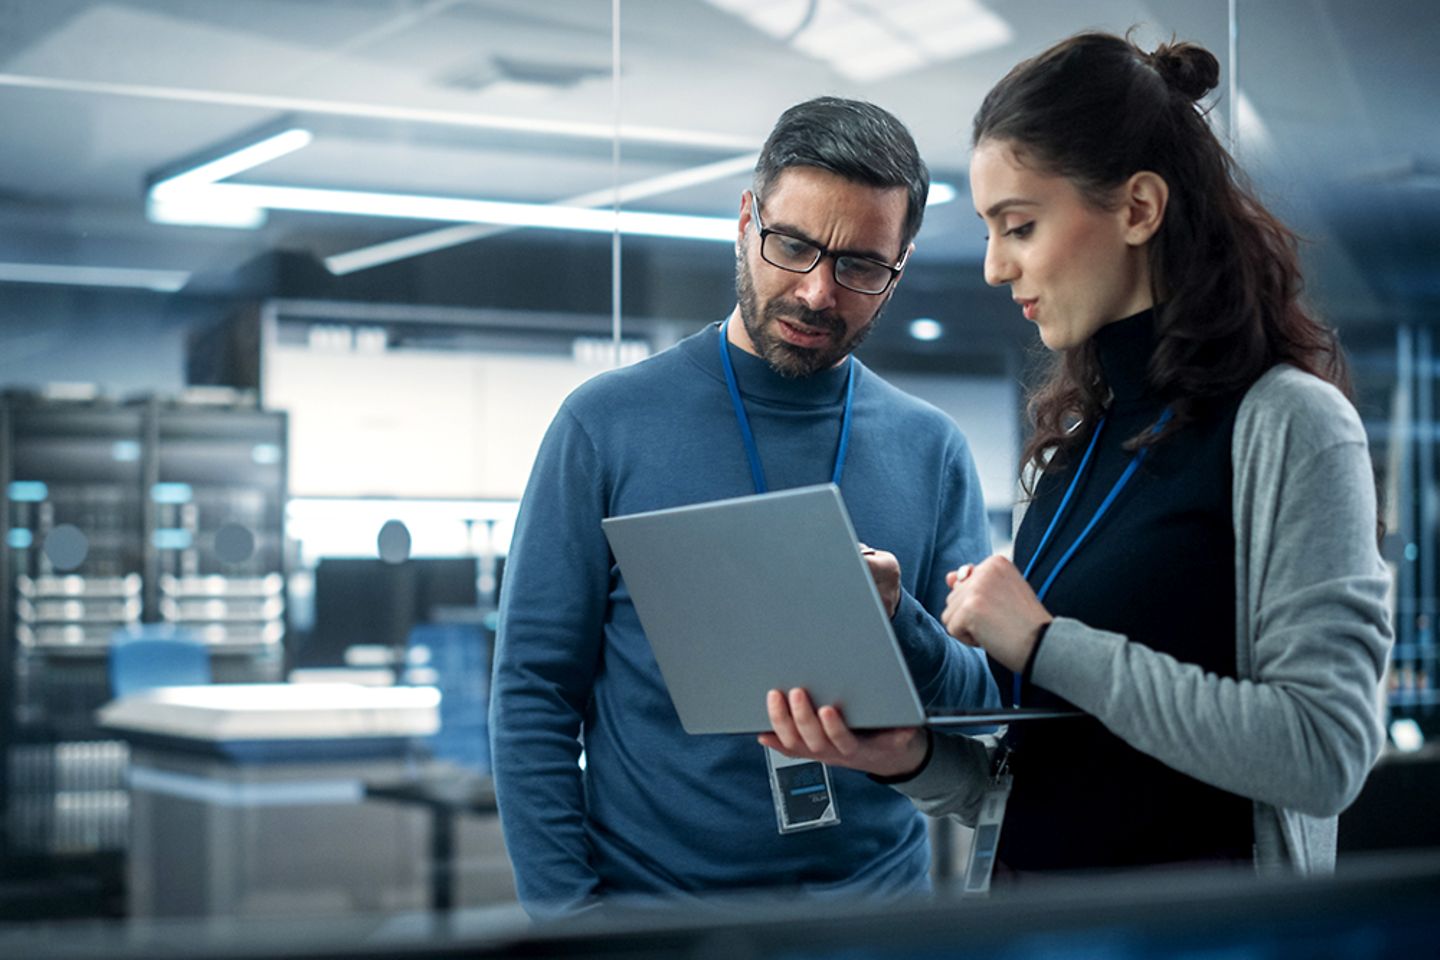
column 1301, row 726
column 954, row 781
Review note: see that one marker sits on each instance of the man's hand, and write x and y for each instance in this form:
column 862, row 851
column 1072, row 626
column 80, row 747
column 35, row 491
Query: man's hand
column 802, row 731
column 885, row 568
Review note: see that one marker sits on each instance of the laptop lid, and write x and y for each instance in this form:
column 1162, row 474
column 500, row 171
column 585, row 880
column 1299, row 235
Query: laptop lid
column 742, row 596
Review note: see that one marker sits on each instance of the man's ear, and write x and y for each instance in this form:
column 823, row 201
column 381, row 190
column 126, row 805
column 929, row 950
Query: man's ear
column 747, row 200
column 1142, row 202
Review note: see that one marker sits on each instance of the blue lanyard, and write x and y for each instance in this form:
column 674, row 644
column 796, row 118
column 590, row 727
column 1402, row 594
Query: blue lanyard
column 752, row 452
column 1105, row 504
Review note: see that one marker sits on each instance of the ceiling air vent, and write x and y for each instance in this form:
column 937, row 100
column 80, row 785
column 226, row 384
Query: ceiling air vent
column 522, row 77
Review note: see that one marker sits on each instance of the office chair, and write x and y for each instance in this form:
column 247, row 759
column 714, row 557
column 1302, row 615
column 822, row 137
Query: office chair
column 455, row 656
column 156, row 655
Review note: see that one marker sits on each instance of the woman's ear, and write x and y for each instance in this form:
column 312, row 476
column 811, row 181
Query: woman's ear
column 1143, row 199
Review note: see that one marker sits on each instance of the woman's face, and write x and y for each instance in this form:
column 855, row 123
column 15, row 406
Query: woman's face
column 1071, row 266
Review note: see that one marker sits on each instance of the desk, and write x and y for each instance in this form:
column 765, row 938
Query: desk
column 249, row 800
column 446, row 794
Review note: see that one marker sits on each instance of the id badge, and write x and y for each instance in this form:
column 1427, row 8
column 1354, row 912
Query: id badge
column 802, row 793
column 987, row 831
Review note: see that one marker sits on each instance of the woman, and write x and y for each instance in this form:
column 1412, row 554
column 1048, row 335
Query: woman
column 1198, row 570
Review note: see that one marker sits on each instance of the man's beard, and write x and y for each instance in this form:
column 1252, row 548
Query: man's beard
column 786, row 358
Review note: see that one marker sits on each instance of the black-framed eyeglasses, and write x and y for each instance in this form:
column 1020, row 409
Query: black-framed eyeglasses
column 852, row 271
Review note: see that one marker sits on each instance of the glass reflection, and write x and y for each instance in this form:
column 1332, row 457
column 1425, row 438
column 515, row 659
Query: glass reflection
column 420, row 347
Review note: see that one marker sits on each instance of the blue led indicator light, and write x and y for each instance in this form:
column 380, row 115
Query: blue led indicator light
column 28, row 491
column 171, row 493
column 171, row 538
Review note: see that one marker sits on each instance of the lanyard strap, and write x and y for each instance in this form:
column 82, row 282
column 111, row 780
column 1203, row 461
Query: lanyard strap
column 1065, row 500
column 1134, row 465
column 752, row 451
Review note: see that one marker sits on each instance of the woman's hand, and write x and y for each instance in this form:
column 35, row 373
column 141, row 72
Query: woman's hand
column 992, row 607
column 803, row 731
column 885, row 568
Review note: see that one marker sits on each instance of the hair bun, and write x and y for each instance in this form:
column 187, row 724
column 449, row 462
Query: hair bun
column 1186, row 67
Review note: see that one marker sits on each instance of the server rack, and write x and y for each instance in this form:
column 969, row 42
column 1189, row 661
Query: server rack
column 216, row 558
column 118, row 516
column 1415, row 527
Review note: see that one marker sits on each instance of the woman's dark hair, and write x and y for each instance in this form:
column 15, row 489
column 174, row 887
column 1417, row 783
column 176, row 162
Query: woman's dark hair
column 1096, row 109
column 853, row 139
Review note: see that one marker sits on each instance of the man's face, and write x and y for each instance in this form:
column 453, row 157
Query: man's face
column 802, row 323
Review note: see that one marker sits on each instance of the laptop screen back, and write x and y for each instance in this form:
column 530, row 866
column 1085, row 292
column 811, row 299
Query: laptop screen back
column 741, row 596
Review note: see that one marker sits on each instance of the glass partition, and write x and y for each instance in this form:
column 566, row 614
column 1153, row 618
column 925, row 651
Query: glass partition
column 1368, row 240
column 332, row 266
column 292, row 288
column 726, row 69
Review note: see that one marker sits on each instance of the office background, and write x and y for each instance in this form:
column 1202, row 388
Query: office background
column 289, row 290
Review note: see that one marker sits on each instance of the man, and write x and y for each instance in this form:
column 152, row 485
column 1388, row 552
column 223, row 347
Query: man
column 839, row 193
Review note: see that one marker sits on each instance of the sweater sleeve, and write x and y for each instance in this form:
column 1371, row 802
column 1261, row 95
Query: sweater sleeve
column 1301, row 727
column 948, row 673
column 955, row 780
column 552, row 612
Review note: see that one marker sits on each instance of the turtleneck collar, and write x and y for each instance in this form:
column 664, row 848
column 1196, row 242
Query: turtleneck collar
column 1123, row 349
column 759, row 381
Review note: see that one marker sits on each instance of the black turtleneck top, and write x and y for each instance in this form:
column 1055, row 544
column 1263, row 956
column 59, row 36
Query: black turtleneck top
column 1160, row 569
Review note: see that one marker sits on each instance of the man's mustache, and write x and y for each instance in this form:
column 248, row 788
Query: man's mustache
column 819, row 320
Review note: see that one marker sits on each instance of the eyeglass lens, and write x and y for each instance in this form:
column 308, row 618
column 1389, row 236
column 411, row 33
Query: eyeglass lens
column 800, row 256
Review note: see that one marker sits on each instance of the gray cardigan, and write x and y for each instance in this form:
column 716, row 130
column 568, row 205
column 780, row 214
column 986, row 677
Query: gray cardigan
column 1299, row 730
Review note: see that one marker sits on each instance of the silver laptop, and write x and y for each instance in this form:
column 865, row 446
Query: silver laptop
column 742, row 596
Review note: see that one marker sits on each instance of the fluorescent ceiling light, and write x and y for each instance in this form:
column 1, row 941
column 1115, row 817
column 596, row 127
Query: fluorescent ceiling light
column 390, row 251
column 236, row 161
column 926, row 329
column 185, row 198
column 941, row 192
column 868, row 40
column 163, row 281
column 196, row 196
column 460, row 210
column 198, row 209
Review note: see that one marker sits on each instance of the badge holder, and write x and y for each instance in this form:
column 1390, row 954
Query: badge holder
column 987, row 827
column 802, row 793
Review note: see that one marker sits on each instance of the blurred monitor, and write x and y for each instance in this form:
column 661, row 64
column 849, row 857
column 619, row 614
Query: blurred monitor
column 369, row 601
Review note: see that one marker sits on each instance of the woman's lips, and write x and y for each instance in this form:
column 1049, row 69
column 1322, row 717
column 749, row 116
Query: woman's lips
column 1027, row 307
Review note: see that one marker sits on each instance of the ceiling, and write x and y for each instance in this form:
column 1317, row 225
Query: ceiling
column 514, row 100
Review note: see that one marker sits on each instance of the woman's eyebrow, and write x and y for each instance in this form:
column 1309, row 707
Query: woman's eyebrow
column 1001, row 205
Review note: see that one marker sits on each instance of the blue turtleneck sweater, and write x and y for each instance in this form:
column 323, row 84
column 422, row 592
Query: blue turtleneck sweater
column 657, row 812
column 1160, row 569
